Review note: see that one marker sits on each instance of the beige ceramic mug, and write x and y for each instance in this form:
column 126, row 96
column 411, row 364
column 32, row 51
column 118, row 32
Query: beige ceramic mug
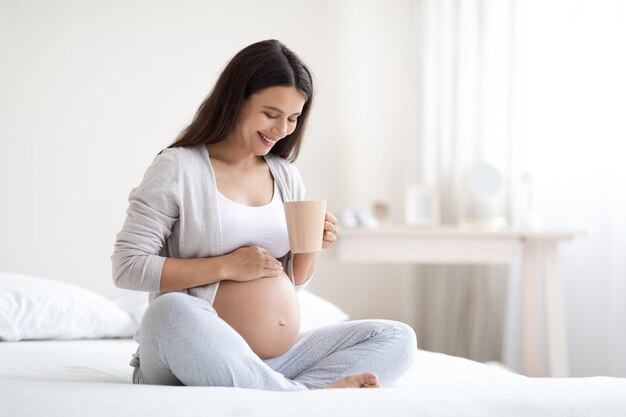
column 305, row 225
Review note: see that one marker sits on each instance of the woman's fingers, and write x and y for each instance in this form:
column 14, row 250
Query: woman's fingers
column 272, row 262
column 273, row 269
column 266, row 260
column 269, row 273
column 330, row 223
column 330, row 231
column 330, row 228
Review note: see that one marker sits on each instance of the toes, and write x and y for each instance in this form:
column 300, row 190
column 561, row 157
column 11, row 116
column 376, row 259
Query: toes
column 364, row 380
column 371, row 380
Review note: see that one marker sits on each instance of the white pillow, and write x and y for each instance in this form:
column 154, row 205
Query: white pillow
column 315, row 311
column 134, row 303
column 37, row 308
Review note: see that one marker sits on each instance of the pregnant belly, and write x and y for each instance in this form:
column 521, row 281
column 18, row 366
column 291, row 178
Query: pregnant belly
column 265, row 312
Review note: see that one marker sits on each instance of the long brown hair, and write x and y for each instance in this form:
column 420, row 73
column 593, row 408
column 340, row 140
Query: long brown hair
column 260, row 65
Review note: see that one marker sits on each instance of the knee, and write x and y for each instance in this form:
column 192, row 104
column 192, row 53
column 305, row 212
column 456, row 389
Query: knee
column 172, row 311
column 405, row 333
column 405, row 343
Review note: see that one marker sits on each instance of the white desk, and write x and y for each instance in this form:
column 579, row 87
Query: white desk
column 535, row 252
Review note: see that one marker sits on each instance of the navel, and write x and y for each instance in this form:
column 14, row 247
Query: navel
column 281, row 322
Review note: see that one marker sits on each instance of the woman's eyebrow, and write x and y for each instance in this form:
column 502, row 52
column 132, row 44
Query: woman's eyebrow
column 278, row 110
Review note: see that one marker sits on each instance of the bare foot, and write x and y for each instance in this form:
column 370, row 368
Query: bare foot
column 365, row 380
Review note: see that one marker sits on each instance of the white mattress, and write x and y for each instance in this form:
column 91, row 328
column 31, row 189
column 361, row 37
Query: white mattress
column 92, row 378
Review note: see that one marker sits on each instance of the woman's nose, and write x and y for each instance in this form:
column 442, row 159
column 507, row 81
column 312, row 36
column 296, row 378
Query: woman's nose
column 280, row 128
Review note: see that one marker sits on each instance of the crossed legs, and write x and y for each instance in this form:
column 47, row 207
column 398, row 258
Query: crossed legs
column 184, row 342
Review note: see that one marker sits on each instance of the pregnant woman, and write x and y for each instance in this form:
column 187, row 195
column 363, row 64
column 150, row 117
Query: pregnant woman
column 205, row 234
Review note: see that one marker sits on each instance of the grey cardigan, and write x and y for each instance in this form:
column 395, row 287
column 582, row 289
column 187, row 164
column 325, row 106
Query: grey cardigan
column 174, row 213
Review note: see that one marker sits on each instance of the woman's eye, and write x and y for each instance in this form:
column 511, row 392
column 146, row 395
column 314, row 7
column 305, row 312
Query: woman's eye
column 271, row 116
column 293, row 120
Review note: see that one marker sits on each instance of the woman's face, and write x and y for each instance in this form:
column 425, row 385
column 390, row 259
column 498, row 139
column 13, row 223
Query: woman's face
column 267, row 117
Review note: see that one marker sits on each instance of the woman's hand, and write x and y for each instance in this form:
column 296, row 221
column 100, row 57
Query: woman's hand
column 330, row 231
column 249, row 263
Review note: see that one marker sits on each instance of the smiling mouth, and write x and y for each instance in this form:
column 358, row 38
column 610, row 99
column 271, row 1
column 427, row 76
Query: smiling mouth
column 266, row 140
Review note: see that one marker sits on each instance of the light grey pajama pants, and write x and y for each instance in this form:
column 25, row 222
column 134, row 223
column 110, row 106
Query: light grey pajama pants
column 184, row 342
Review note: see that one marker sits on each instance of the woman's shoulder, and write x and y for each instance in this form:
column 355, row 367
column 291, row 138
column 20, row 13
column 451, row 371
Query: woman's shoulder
column 177, row 163
column 184, row 152
column 165, row 162
column 183, row 157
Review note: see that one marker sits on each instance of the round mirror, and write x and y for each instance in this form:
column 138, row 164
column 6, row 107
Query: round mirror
column 484, row 179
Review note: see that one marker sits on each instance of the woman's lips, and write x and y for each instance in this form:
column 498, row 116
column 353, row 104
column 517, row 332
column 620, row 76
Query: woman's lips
column 266, row 141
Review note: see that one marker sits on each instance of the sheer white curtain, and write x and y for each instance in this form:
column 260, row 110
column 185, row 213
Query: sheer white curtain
column 538, row 87
column 466, row 100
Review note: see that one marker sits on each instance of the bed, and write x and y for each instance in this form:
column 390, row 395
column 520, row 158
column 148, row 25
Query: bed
column 63, row 375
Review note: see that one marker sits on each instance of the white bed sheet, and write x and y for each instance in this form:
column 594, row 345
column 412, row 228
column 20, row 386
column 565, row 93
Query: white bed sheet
column 92, row 378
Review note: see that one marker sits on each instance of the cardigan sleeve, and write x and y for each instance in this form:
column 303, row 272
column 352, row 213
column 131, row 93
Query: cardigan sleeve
column 153, row 209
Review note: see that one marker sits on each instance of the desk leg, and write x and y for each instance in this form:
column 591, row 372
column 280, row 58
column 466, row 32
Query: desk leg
column 531, row 324
column 555, row 312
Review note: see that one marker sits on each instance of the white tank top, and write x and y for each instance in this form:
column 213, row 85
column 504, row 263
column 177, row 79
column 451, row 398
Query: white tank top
column 263, row 226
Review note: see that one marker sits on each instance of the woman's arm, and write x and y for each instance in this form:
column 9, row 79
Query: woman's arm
column 153, row 210
column 303, row 267
column 243, row 264
column 179, row 274
column 304, row 263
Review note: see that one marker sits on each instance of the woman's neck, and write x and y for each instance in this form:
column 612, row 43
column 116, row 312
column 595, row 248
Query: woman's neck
column 233, row 155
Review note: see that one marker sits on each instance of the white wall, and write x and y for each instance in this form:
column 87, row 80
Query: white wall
column 91, row 91
column 569, row 112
